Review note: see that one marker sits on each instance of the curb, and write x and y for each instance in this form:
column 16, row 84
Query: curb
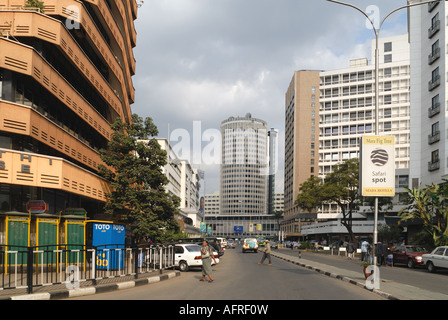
column 70, row 293
column 340, row 277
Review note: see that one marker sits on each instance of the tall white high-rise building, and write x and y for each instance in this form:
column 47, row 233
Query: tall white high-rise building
column 428, row 39
column 347, row 112
column 244, row 167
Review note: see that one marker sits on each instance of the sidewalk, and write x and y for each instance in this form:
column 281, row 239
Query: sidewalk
column 388, row 289
column 60, row 291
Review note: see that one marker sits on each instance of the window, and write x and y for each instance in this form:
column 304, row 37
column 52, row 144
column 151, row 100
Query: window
column 435, row 156
column 403, row 181
column 387, row 46
column 435, row 48
column 434, row 21
column 435, row 74
column 387, row 58
column 435, row 102
column 435, row 128
column 439, row 251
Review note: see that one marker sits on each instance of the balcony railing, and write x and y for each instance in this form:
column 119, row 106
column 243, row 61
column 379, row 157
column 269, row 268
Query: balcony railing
column 433, row 166
column 433, row 138
column 434, row 29
column 434, row 110
column 434, row 56
column 434, row 83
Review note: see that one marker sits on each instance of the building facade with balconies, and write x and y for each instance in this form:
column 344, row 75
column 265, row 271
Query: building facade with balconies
column 429, row 147
column 65, row 75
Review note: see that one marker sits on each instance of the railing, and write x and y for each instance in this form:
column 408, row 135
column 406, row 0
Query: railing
column 30, row 267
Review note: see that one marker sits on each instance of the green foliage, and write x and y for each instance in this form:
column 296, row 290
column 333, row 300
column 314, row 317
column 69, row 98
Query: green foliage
column 340, row 187
column 134, row 169
column 35, row 4
column 430, row 206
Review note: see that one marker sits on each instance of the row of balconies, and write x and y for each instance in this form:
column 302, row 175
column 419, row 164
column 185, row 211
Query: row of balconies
column 404, row 72
column 434, row 137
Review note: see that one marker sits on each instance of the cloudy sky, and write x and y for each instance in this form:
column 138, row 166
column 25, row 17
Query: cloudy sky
column 202, row 61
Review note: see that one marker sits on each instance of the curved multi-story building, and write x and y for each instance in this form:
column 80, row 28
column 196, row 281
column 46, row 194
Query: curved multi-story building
column 244, row 167
column 65, row 75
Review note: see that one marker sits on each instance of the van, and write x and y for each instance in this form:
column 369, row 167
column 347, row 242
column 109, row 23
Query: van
column 250, row 244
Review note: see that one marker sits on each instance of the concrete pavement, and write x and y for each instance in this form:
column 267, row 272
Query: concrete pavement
column 60, row 291
column 388, row 289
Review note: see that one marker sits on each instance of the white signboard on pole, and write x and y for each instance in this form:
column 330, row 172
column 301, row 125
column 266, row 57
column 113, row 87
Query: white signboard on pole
column 377, row 166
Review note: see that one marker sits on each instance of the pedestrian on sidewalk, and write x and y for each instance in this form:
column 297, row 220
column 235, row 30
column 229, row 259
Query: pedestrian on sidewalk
column 389, row 258
column 351, row 250
column 266, row 254
column 207, row 256
column 364, row 249
column 380, row 253
column 316, row 247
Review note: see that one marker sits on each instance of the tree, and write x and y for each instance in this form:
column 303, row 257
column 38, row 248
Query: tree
column 340, row 187
column 430, row 207
column 35, row 4
column 278, row 215
column 133, row 165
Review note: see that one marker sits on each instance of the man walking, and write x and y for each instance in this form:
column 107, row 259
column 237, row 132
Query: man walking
column 266, row 254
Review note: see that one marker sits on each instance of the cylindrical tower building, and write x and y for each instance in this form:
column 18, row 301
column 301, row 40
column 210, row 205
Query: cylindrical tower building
column 244, row 166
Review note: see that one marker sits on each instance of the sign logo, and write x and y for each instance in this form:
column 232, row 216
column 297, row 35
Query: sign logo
column 379, row 157
column 377, row 166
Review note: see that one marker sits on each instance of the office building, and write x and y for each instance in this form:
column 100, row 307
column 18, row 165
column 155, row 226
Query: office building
column 301, row 146
column 244, row 166
column 347, row 112
column 211, row 203
column 184, row 183
column 428, row 41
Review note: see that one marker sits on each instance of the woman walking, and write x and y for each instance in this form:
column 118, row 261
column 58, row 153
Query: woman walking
column 207, row 256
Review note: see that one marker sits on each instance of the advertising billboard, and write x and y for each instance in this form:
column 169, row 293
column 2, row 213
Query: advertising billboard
column 377, row 166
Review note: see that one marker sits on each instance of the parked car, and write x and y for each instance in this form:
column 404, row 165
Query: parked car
column 231, row 244
column 216, row 244
column 438, row 258
column 222, row 242
column 189, row 255
column 410, row 255
column 273, row 244
column 249, row 244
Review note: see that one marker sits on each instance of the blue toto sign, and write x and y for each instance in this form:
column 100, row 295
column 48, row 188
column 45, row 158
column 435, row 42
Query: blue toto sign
column 106, row 238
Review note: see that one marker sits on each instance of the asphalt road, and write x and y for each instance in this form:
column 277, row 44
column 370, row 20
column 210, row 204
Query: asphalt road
column 238, row 277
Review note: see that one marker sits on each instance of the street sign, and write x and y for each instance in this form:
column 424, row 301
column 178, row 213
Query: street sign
column 37, row 206
column 75, row 212
column 238, row 229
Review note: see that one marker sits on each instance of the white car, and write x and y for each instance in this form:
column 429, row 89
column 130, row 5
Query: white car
column 223, row 242
column 189, row 255
column 438, row 258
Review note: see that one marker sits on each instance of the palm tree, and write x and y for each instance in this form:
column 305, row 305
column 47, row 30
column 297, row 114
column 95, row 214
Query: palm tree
column 430, row 207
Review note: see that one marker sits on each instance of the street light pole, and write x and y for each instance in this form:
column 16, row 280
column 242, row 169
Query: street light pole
column 377, row 58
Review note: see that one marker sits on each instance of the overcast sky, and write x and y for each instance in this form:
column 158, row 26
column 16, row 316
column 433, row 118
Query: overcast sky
column 207, row 60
